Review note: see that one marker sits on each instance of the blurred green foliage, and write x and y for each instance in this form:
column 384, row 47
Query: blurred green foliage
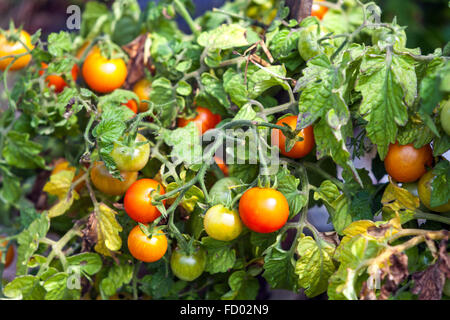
column 427, row 21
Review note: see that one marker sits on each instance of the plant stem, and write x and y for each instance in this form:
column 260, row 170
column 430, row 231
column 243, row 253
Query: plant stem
column 179, row 6
column 432, row 217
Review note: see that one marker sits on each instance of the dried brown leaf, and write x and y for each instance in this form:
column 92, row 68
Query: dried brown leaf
column 138, row 61
column 89, row 238
column 393, row 274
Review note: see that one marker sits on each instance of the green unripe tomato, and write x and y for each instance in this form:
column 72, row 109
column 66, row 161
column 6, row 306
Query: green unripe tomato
column 188, row 267
column 424, row 188
column 131, row 158
column 223, row 191
column 445, row 117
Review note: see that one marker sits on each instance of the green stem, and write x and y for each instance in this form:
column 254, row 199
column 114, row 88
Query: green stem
column 179, row 6
column 430, row 216
column 324, row 174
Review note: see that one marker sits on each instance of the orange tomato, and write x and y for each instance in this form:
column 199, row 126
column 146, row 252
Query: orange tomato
column 142, row 88
column 101, row 74
column 204, row 120
column 223, row 167
column 8, row 48
column 318, row 11
column 300, row 148
column 263, row 210
column 406, row 163
column 9, row 254
column 146, row 249
column 57, row 82
column 106, row 183
column 138, row 201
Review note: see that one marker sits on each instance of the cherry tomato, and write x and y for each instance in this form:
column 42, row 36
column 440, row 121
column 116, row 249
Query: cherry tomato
column 131, row 158
column 204, row 120
column 106, row 183
column 57, row 82
column 188, row 267
column 9, row 254
column 445, row 117
column 63, row 164
column 13, row 49
column 222, row 166
column 223, row 191
column 300, row 148
column 101, row 74
column 263, row 210
column 318, row 11
column 132, row 105
column 221, row 223
column 406, row 163
column 424, row 188
column 142, row 88
column 147, row 249
column 138, row 200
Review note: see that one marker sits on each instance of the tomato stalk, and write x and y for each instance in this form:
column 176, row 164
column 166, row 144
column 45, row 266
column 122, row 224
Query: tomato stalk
column 430, row 216
column 180, row 7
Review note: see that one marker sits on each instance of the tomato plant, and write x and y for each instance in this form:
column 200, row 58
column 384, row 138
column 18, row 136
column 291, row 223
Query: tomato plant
column 191, row 178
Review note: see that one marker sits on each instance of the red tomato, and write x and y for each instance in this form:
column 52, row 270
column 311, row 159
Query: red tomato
column 300, row 148
column 263, row 210
column 204, row 120
column 144, row 248
column 318, row 11
column 132, row 105
column 57, row 82
column 138, row 201
column 406, row 163
column 101, row 74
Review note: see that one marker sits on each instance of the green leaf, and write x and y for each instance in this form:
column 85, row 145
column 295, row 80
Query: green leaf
column 184, row 88
column 185, row 143
column 440, row 184
column 315, row 265
column 162, row 97
column 25, row 287
column 88, row 262
column 233, row 84
column 220, row 255
column 279, row 269
column 57, row 289
column 388, row 86
column 28, row 241
column 20, row 152
column 288, row 186
column 214, row 88
column 243, row 287
column 265, row 78
column 118, row 275
column 227, row 36
column 59, row 43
